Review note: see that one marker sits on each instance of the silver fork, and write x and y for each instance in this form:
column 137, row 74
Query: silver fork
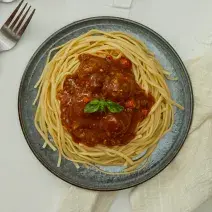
column 14, row 27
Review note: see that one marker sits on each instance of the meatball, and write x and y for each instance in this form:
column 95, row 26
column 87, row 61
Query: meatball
column 90, row 64
column 95, row 81
column 87, row 135
column 118, row 86
column 115, row 124
column 70, row 84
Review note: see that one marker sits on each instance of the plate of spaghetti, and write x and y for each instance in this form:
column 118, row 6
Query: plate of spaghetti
column 105, row 103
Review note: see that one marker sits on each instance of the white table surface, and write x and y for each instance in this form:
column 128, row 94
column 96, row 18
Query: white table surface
column 25, row 185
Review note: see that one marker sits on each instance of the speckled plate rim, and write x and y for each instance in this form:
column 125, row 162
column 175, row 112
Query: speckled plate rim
column 174, row 153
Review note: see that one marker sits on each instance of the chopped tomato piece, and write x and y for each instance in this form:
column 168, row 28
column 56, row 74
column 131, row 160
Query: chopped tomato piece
column 86, row 99
column 145, row 112
column 109, row 58
column 130, row 104
column 125, row 63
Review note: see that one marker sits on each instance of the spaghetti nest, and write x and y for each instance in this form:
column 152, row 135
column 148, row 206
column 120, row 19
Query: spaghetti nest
column 149, row 74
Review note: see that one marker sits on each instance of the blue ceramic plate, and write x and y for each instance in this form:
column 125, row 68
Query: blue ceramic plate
column 168, row 146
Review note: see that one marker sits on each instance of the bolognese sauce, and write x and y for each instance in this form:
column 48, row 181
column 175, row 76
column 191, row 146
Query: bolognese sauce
column 109, row 79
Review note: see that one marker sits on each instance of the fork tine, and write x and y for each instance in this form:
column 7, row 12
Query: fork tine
column 18, row 17
column 23, row 28
column 21, row 21
column 7, row 23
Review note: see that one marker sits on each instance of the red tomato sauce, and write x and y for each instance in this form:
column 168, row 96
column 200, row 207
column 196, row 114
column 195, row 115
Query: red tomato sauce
column 108, row 79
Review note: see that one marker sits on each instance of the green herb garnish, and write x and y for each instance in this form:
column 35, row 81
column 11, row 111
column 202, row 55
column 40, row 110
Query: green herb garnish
column 101, row 105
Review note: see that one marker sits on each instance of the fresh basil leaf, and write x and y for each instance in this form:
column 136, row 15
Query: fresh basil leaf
column 92, row 106
column 95, row 101
column 114, row 107
column 102, row 105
